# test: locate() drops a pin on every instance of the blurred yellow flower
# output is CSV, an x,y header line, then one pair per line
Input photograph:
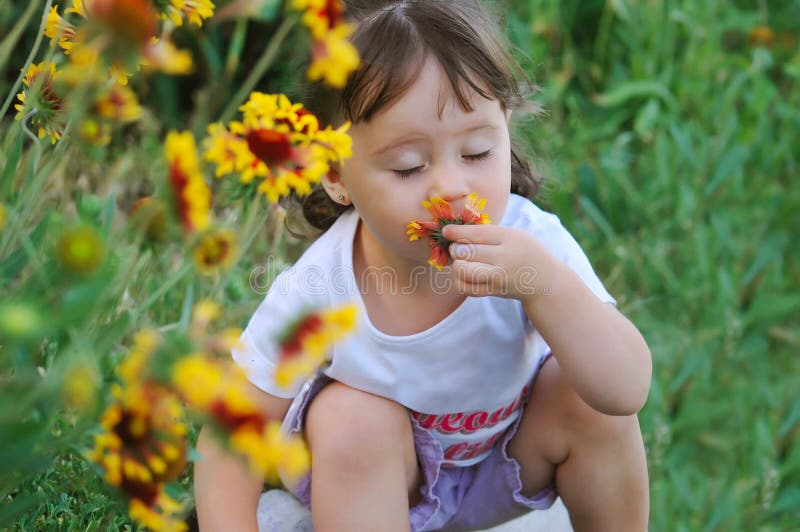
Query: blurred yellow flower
x,y
306,342
220,391
191,195
118,103
215,250
333,56
194,11
142,446
57,27
279,142
80,250
159,515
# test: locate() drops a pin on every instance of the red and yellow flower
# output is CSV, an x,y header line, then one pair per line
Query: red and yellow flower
x,y
190,193
442,215
215,250
333,56
278,142
40,100
221,393
306,342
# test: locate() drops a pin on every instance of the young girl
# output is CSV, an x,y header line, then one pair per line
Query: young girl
x,y
468,395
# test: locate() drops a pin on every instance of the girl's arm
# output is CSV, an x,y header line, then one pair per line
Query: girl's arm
x,y
226,491
602,354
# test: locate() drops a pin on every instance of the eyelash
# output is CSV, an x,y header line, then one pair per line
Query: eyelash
x,y
474,157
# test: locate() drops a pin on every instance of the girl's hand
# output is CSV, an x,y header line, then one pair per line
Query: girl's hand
x,y
493,260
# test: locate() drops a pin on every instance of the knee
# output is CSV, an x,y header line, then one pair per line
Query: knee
x,y
578,419
352,427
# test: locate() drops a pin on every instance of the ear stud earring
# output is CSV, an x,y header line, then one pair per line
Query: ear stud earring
x,y
341,197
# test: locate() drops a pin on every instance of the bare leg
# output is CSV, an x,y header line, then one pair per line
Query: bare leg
x,y
364,467
597,461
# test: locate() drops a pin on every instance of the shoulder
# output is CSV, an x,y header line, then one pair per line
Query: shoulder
x,y
522,213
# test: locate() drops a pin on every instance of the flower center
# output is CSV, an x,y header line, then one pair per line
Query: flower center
x,y
269,145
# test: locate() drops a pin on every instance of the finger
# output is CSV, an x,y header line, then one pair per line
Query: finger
x,y
478,275
480,234
485,253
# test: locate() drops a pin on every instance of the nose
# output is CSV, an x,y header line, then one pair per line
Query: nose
x,y
449,184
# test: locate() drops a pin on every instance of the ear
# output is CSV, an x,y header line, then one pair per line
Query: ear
x,y
333,185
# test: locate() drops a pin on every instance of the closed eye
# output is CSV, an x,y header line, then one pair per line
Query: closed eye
x,y
409,171
478,156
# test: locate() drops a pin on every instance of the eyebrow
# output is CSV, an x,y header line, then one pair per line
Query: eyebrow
x,y
416,136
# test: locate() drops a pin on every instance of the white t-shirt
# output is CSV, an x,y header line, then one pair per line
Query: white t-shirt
x,y
464,378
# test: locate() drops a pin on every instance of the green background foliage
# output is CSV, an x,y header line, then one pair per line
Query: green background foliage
x,y
670,142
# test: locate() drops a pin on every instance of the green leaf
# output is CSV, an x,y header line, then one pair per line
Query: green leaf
x,y
636,89
9,170
13,264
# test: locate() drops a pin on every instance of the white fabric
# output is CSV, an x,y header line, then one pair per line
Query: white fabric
x,y
463,378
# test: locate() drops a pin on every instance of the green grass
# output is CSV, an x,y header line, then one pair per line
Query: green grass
x,y
673,158
671,147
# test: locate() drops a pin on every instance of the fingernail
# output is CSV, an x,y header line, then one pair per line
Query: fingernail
x,y
459,251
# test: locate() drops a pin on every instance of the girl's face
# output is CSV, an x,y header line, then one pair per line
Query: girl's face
x,y
424,144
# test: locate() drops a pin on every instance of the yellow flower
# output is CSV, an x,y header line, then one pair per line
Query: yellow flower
x,y
40,97
278,142
81,250
142,446
194,11
320,16
159,515
191,195
305,343
163,56
57,27
119,103
334,58
215,250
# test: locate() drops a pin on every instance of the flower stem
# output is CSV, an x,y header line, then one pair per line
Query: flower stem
x,y
28,62
260,68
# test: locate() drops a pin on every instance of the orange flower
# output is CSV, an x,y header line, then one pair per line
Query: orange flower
x,y
442,215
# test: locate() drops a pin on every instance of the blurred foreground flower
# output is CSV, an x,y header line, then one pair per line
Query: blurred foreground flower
x,y
333,56
120,34
221,393
193,10
80,250
142,445
442,215
191,196
305,342
279,142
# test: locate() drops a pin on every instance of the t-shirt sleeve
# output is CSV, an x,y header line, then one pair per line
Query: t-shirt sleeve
x,y
548,228
258,351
